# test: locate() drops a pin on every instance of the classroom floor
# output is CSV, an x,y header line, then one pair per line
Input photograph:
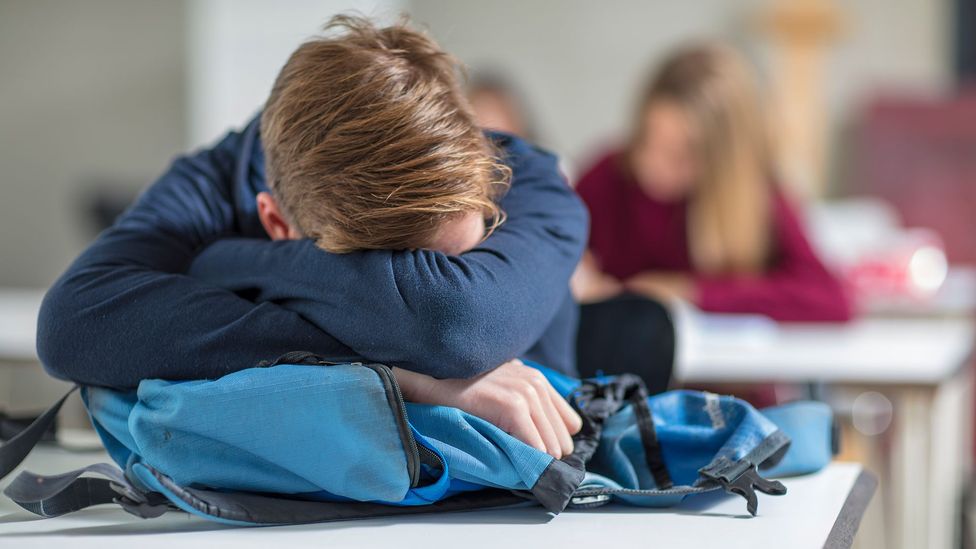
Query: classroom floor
x,y
803,518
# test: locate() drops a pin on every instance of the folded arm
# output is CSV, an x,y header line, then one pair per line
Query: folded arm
x,y
124,311
446,316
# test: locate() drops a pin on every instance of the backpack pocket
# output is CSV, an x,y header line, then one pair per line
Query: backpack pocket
x,y
323,431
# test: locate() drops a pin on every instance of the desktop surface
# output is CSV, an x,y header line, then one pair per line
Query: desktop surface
x,y
818,508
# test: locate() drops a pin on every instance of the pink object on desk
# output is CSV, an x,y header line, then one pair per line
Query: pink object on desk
x,y
912,268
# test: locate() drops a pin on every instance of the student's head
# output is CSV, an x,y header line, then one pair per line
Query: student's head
x,y
700,135
370,144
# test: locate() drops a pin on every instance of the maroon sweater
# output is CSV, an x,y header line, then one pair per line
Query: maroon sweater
x,y
631,233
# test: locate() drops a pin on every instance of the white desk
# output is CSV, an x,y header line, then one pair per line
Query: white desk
x,y
18,323
872,350
24,387
919,364
956,297
817,509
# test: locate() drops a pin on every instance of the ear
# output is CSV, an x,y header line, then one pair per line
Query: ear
x,y
273,219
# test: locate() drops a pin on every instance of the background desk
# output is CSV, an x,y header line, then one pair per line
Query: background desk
x,y
819,510
18,323
25,389
919,364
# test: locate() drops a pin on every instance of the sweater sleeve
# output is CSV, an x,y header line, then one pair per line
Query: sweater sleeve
x,y
446,316
798,287
123,311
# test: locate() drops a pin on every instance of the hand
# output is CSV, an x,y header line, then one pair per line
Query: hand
x,y
589,284
514,397
662,286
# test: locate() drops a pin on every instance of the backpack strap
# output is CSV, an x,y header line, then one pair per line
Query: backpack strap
x,y
596,401
56,495
16,449
741,477
653,456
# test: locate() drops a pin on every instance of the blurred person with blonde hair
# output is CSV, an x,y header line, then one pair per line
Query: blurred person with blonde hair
x,y
689,208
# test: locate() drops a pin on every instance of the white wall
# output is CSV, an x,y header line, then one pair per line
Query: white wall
x,y
236,48
578,62
91,94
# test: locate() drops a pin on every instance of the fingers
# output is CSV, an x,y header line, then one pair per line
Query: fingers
x,y
558,424
523,427
518,399
559,416
542,418
554,416
570,418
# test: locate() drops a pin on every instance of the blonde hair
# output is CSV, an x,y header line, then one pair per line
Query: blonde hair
x,y
370,142
729,211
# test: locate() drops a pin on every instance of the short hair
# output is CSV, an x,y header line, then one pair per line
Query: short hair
x,y
370,142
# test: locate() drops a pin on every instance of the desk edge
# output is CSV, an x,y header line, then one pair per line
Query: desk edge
x,y
849,518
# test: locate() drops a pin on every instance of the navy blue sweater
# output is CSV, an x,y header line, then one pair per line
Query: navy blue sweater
x,y
186,284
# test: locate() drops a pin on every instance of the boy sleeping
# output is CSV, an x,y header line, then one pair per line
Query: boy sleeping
x,y
383,204
429,180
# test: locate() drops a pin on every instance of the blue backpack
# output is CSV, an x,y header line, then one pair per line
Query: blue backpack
x,y
303,440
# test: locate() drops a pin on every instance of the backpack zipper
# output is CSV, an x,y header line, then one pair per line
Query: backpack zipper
x,y
400,411
417,454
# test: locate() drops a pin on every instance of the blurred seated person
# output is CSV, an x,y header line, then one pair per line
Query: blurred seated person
x,y
498,105
689,208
